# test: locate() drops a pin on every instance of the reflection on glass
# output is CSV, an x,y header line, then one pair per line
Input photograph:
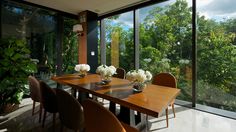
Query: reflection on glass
x,y
165,42
119,41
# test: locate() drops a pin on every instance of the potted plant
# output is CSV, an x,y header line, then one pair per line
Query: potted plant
x,y
15,66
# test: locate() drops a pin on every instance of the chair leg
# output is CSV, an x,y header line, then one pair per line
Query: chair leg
x,y
33,108
40,112
167,120
173,109
54,121
44,117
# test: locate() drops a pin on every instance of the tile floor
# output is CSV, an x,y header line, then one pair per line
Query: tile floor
x,y
187,120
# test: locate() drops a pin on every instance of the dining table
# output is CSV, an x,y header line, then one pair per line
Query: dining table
x,y
152,101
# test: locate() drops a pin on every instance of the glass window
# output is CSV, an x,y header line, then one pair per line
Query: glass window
x,y
166,42
119,41
37,27
216,49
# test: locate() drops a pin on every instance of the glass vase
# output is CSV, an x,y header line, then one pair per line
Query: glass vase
x,y
82,74
138,86
106,79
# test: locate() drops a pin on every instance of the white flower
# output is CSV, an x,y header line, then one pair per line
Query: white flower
x,y
82,68
100,69
139,76
106,71
148,75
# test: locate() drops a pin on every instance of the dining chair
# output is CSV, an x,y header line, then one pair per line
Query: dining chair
x,y
70,111
99,119
166,79
120,73
35,94
49,102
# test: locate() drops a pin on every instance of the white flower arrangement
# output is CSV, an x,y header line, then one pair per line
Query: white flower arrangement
x,y
106,71
82,68
139,76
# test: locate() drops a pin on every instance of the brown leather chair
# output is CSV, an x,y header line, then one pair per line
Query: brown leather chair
x,y
99,119
49,102
120,73
166,79
35,94
70,111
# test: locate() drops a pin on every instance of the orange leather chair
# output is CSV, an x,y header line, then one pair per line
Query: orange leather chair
x,y
166,79
99,119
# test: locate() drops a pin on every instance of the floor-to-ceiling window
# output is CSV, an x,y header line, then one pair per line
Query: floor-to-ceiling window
x,y
165,42
216,49
119,40
39,28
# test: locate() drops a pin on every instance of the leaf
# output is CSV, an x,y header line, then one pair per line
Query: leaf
x,y
9,52
30,68
16,56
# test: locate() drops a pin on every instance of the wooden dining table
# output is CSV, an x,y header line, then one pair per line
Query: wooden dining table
x,y
153,100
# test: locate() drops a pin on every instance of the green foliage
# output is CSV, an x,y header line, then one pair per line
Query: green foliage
x,y
15,65
165,45
70,46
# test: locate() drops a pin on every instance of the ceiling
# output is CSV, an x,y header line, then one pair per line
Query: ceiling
x,y
101,7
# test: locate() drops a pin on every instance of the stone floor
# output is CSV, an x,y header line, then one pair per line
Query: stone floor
x,y
187,120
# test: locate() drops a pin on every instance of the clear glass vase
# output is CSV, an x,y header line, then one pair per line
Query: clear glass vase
x,y
106,79
82,74
138,86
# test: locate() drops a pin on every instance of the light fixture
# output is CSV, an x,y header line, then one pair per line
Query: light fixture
x,y
78,29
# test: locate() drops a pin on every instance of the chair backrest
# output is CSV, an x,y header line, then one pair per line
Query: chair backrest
x,y
34,89
99,119
70,110
48,98
165,79
120,73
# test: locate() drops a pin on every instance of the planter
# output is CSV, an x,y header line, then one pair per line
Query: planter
x,y
10,107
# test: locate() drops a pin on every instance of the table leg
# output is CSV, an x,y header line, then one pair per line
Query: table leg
x,y
137,119
112,107
144,125
127,116
73,92
83,96
59,85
